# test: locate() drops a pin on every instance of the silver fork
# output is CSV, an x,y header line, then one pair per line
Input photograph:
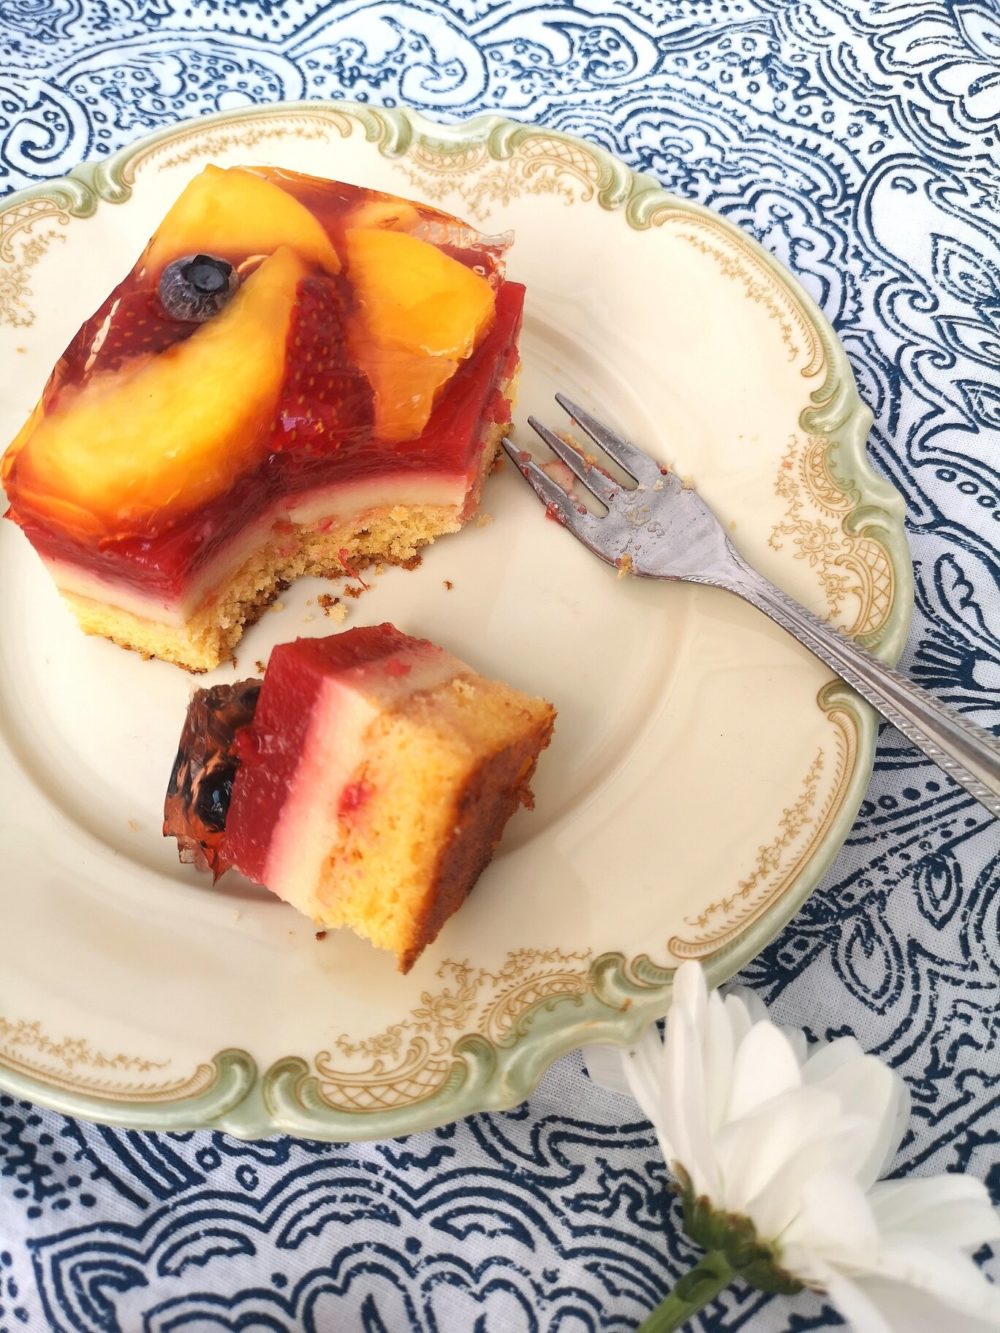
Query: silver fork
x,y
660,529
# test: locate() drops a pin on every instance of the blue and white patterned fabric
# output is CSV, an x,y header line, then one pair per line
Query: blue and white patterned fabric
x,y
859,142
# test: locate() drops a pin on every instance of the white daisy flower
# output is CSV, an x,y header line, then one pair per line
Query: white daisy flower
x,y
777,1149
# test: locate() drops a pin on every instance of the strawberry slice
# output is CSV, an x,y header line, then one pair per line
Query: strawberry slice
x,y
138,327
325,398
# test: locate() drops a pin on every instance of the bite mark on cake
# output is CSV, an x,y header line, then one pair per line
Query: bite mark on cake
x,y
373,358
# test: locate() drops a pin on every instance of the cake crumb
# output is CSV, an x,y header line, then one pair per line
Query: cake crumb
x,y
309,601
732,525
237,915
235,660
134,825
276,606
345,564
352,591
328,602
321,934
658,485
308,619
414,562
21,350
261,668
448,584
624,565
484,520
379,569
562,475
332,607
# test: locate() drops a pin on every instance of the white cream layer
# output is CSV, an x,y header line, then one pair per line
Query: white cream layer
x,y
333,504
332,752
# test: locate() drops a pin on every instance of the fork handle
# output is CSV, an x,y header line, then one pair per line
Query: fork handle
x,y
967,753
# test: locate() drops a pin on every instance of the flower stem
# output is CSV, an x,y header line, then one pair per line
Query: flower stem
x,y
693,1291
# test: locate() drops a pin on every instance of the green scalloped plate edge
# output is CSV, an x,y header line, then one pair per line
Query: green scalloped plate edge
x,y
624,995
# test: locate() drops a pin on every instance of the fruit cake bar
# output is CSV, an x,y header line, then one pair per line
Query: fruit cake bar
x,y
366,781
298,376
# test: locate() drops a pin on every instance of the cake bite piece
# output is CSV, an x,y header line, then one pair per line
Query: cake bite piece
x,y
297,376
370,787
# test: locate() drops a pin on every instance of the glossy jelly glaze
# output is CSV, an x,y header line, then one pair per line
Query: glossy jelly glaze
x,y
320,434
299,755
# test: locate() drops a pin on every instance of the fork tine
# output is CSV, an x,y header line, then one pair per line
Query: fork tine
x,y
592,477
626,455
555,499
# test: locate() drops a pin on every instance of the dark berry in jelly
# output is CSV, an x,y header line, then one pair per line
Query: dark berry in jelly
x,y
214,793
196,287
201,781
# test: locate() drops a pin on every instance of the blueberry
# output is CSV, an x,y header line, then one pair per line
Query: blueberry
x,y
214,794
196,287
246,700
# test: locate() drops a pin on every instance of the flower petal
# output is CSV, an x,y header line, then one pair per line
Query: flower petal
x,y
738,1012
690,993
765,1066
752,1005
864,1087
832,1055
752,1151
796,1038
836,1227
754,1010
954,1207
780,1202
946,1274
859,1309
643,1066
903,1309
685,1119
605,1067
719,1049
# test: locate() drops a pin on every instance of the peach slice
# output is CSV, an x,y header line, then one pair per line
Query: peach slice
x,y
414,296
420,313
234,213
386,214
173,430
404,388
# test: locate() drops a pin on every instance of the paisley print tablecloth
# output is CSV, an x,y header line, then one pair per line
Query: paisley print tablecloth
x,y
860,143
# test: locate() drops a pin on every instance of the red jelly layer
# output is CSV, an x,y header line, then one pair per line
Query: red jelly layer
x,y
271,747
164,562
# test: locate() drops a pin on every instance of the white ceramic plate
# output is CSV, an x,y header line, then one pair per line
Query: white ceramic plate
x,y
704,769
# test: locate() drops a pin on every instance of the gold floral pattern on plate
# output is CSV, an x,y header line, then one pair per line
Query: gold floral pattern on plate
x,y
23,242
854,567
738,261
802,826
538,164
72,1064
411,1060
